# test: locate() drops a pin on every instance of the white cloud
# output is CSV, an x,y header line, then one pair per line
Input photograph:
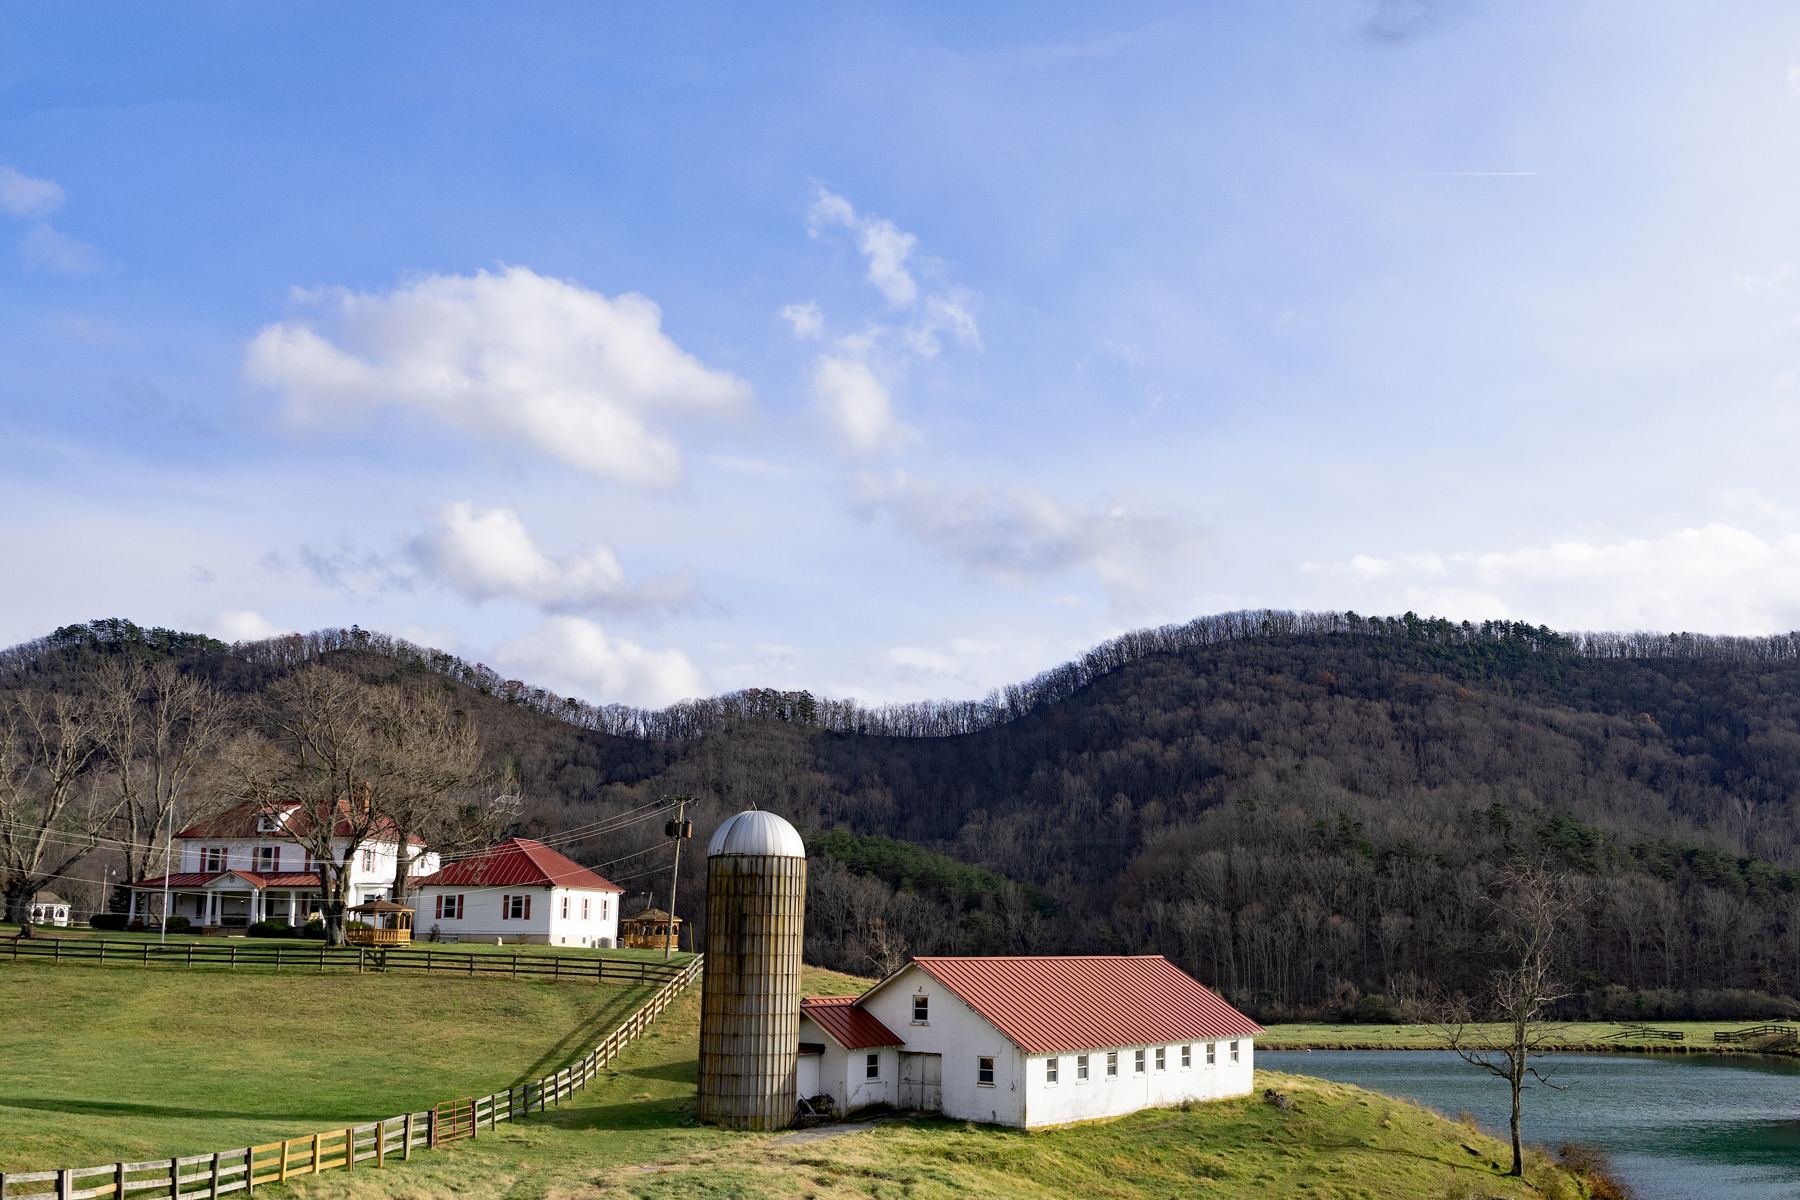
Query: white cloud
x,y
488,554
856,405
1715,579
245,625
23,196
882,243
1020,535
942,316
1774,281
574,656
44,246
807,320
538,362
922,660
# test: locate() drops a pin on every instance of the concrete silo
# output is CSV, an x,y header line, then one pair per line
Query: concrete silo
x,y
750,1005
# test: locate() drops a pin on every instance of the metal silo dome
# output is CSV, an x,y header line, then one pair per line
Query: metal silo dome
x,y
750,1001
757,832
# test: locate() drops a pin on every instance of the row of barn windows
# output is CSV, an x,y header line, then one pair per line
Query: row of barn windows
x,y
517,908
984,1066
267,859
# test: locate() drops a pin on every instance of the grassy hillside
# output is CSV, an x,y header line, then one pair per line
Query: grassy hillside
x,y
105,1063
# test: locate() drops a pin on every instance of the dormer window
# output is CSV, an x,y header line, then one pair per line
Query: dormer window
x,y
267,824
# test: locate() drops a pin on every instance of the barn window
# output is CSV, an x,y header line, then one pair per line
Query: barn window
x,y
565,908
1052,1070
921,1010
1112,1064
872,1066
1234,1056
1187,1057
1081,1068
605,909
584,907
1162,1059
1137,1065
1211,1049
984,1072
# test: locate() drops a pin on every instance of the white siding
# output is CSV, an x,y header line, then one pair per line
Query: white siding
x,y
843,1074
963,1037
1071,1100
481,919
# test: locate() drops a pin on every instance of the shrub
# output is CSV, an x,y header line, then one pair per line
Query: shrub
x,y
109,920
436,935
315,928
1375,1009
178,924
269,929
357,925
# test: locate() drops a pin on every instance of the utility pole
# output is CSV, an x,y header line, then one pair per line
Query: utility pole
x,y
168,852
680,829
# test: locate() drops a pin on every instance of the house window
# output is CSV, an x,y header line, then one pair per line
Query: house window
x,y
1187,1057
1162,1059
265,825
1112,1064
984,1072
584,907
1211,1047
515,908
1234,1056
872,1066
1137,1066
368,860
605,909
1081,1068
565,908
268,858
449,908
1052,1070
921,1010
212,858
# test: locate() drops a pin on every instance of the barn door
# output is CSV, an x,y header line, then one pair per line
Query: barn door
x,y
922,1081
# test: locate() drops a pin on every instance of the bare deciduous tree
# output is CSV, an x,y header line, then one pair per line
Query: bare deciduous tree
x,y
1533,909
158,729
47,823
435,790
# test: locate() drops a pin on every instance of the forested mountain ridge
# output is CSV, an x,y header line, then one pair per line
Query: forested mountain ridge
x,y
1303,807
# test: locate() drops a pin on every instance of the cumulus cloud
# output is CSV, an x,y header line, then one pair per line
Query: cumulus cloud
x,y
23,196
540,363
243,625
488,554
883,245
1020,535
857,406
575,656
807,320
1714,579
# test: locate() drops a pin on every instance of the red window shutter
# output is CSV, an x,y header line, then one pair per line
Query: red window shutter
x,y
528,908
505,907
440,908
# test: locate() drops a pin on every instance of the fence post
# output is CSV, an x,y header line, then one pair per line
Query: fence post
x,y
284,1160
381,1142
350,1149
431,1129
359,960
63,1184
174,1171
249,1170
315,1152
214,1194
406,1134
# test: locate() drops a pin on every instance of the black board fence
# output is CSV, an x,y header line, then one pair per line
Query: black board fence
x,y
229,954
247,1168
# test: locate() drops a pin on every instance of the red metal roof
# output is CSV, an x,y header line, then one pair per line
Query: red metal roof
x,y
518,862
194,879
240,820
1053,1004
851,1027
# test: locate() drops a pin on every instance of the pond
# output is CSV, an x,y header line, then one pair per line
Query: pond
x,y
1679,1126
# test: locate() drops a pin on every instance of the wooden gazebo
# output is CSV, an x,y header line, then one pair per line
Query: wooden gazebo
x,y
390,924
652,929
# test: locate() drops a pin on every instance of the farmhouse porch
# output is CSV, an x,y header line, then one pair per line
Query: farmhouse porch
x,y
231,899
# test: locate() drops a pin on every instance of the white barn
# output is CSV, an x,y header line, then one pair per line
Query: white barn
x,y
1028,1042
520,891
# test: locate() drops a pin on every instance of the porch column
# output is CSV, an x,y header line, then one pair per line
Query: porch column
x,y
212,905
293,907
131,915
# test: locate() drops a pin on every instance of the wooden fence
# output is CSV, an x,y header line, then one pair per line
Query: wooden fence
x,y
250,1167
1755,1031
319,957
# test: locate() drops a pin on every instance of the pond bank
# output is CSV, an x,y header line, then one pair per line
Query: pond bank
x,y
1583,1037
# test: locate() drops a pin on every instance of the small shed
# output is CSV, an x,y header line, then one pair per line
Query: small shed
x,y
48,908
389,924
652,929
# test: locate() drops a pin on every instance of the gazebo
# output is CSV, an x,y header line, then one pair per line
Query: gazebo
x,y
652,929
390,924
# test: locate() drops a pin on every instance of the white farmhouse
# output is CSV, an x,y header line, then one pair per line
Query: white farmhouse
x,y
520,891
243,866
1029,1042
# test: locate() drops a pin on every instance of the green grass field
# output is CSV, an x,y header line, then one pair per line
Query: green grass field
x,y
182,939
1585,1035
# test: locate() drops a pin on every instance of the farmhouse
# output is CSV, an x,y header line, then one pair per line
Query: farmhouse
x,y
243,866
1028,1042
520,891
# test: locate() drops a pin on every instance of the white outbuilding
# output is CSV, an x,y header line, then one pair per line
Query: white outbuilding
x,y
1028,1042
520,891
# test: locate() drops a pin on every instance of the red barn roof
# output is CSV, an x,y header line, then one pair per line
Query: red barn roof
x,y
1052,1004
240,821
518,862
851,1027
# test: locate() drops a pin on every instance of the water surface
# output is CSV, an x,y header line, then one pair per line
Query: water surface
x,y
1680,1126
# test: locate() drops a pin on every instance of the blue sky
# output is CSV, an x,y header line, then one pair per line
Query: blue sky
x,y
894,352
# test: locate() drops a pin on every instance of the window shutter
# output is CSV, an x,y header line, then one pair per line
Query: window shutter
x,y
528,908
505,907
439,914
